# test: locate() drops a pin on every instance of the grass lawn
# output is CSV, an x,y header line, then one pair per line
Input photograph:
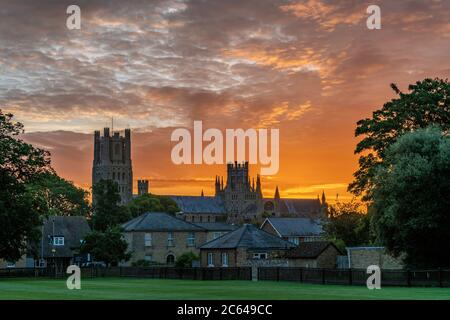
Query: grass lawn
x,y
132,288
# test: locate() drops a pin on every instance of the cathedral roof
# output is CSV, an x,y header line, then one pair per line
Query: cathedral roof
x,y
250,237
308,208
199,204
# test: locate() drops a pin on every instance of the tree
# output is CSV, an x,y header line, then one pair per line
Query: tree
x,y
152,203
347,225
20,210
109,246
427,103
62,197
186,259
107,212
411,201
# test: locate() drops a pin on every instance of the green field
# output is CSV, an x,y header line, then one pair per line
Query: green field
x,y
120,288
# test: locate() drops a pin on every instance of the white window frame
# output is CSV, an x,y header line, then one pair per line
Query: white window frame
x,y
191,239
10,264
170,239
58,241
224,259
148,240
260,255
210,259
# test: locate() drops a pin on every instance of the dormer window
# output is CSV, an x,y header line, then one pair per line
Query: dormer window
x,y
58,241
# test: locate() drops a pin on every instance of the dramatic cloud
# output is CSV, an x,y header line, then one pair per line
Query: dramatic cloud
x,y
310,67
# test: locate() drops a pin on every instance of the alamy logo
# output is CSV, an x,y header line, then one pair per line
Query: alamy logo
x,y
374,20
74,20
374,280
235,140
74,280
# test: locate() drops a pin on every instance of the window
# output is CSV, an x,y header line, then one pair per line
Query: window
x,y
294,240
148,258
148,239
58,241
10,264
224,259
170,259
210,259
260,256
170,239
191,239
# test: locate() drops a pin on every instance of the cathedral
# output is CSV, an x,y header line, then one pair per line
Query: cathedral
x,y
238,200
112,161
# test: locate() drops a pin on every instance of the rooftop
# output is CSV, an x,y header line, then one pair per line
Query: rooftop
x,y
248,236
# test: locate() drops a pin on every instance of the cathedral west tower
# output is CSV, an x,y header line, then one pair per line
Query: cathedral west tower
x,y
112,161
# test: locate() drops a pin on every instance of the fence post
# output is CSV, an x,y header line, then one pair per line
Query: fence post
x,y
323,275
440,276
350,276
408,275
278,273
301,275
220,274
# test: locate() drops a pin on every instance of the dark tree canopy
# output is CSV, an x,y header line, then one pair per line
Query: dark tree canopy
x,y
107,211
347,225
411,199
20,210
62,197
426,103
152,203
109,246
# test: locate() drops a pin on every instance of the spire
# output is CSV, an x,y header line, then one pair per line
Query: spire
x,y
203,193
324,200
258,186
277,194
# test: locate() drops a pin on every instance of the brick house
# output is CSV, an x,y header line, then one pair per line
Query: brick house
x,y
295,230
245,246
315,254
160,238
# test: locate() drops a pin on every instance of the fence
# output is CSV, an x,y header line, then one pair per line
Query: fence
x,y
438,277
409,278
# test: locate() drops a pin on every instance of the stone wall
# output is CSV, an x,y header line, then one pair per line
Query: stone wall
x,y
361,258
160,249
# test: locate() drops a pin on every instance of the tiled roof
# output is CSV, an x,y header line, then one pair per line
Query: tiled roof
x,y
73,229
248,236
194,204
216,226
159,221
309,250
290,227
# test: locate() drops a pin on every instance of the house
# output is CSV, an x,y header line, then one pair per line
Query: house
x,y
159,237
362,257
215,230
245,246
295,230
315,254
60,241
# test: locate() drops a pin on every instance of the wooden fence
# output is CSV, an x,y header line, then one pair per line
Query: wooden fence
x,y
436,277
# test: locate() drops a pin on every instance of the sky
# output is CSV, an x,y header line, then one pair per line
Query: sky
x,y
310,68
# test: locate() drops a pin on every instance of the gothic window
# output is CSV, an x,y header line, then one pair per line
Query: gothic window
x,y
170,259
